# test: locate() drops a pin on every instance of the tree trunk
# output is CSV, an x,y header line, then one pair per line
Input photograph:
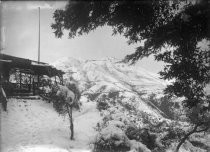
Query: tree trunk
x,y
71,122
3,97
185,137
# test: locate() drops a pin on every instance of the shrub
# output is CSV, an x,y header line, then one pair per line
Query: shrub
x,y
59,100
168,106
128,106
142,135
148,138
113,94
74,88
173,133
133,133
102,105
165,104
111,139
93,96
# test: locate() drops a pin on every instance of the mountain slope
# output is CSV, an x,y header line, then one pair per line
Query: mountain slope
x,y
102,77
110,71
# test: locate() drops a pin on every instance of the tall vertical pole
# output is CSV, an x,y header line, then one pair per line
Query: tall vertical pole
x,y
39,39
38,77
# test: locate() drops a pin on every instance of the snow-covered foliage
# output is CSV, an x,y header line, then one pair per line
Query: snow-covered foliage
x,y
62,98
66,94
61,95
119,115
111,138
154,132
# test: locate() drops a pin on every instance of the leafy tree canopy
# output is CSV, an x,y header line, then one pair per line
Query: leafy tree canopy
x,y
171,30
175,26
131,18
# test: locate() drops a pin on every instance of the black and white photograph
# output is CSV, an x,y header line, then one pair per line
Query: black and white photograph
x,y
105,76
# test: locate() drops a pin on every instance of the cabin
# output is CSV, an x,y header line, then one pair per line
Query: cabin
x,y
22,76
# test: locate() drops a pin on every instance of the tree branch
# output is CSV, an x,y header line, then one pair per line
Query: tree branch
x,y
205,129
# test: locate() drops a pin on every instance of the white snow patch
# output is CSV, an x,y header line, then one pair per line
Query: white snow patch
x,y
34,126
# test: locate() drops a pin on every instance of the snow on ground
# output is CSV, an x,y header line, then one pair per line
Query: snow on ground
x,y
34,126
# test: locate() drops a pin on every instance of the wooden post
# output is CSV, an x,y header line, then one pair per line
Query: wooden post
x,y
55,80
38,79
20,76
33,86
61,79
29,83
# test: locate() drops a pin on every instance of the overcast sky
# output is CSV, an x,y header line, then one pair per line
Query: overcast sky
x,y
19,36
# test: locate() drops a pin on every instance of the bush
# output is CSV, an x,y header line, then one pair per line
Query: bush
x,y
133,133
74,88
113,94
111,139
173,133
93,96
168,106
59,100
102,105
142,135
165,104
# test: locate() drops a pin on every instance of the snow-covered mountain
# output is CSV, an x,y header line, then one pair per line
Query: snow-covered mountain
x,y
109,74
101,77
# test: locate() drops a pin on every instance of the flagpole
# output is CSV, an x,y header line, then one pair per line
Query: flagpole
x,y
38,50
39,39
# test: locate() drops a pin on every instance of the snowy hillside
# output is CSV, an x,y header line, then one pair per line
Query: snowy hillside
x,y
99,77
110,74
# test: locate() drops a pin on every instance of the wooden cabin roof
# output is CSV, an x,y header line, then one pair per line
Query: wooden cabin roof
x,y
8,62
